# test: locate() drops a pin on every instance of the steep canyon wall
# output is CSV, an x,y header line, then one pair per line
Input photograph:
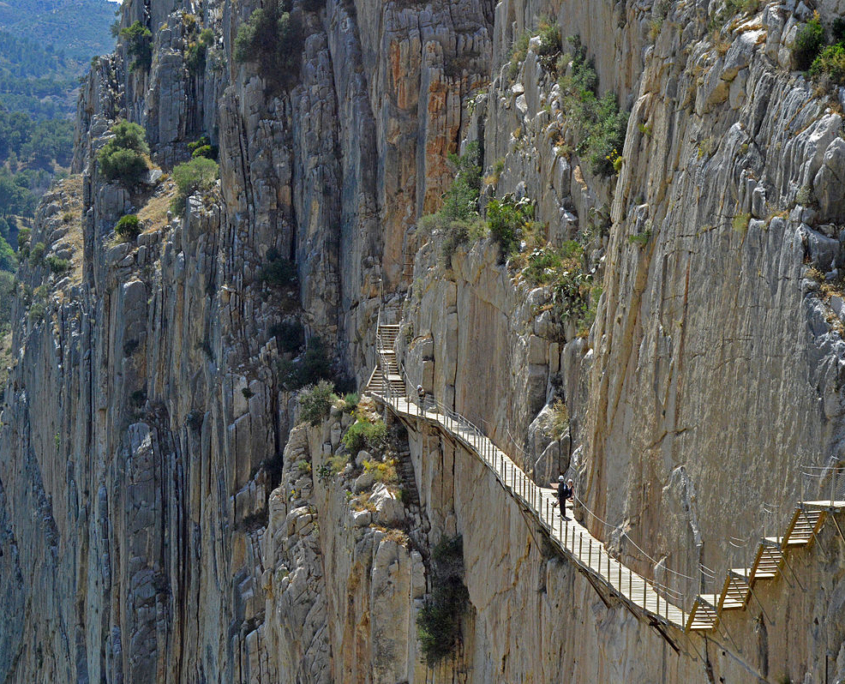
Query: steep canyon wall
x,y
164,518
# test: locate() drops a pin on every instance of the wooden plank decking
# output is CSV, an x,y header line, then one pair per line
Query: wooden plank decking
x,y
571,538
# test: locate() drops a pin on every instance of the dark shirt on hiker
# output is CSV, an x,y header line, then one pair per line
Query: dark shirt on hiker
x,y
564,493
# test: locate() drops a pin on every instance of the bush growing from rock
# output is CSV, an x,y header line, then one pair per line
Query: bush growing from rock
x,y
364,434
439,621
139,45
203,148
278,271
506,218
830,63
600,125
194,176
130,136
24,235
350,402
808,42
315,402
460,203
123,165
122,158
197,50
309,369
382,471
458,218
550,38
36,254
36,312
128,228
58,265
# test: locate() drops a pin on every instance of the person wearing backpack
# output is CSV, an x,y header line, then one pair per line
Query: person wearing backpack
x,y
565,492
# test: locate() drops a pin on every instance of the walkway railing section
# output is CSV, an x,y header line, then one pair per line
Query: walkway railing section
x,y
699,605
587,552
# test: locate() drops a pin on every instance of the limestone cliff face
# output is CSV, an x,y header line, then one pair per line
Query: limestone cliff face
x,y
162,517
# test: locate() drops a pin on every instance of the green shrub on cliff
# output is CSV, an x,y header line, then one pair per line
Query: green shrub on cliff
x,y
458,219
508,218
273,39
311,367
196,50
364,434
139,45
808,42
123,157
36,255
278,271
57,265
600,126
830,63
197,175
128,228
316,401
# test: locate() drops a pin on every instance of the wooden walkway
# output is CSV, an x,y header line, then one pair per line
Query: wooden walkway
x,y
645,598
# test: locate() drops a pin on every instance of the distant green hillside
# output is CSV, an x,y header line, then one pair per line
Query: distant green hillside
x,y
45,46
39,81
79,28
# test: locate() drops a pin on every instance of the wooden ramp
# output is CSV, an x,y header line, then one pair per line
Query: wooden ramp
x,y
645,598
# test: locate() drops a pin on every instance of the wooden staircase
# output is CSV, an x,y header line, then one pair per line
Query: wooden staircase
x,y
769,562
387,378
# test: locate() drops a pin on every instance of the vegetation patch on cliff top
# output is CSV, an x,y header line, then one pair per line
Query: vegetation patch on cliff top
x,y
808,42
273,39
315,402
139,46
365,434
828,62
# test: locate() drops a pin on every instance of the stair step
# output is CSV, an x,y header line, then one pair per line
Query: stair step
x,y
764,575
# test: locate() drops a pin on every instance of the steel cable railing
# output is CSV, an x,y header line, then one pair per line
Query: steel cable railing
x,y
823,484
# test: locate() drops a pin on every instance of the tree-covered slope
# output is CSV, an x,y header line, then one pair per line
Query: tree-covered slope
x,y
36,79
80,28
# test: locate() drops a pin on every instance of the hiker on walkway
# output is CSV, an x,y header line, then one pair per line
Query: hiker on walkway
x,y
421,395
565,492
